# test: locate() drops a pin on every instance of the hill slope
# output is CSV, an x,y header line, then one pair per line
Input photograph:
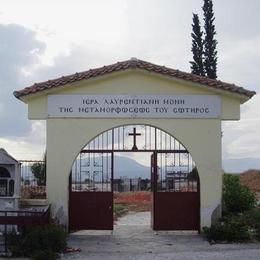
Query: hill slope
x,y
251,179
127,167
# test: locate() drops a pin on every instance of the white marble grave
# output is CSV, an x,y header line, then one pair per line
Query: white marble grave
x,y
10,181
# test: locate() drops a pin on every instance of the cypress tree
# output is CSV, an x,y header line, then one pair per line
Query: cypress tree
x,y
210,43
197,66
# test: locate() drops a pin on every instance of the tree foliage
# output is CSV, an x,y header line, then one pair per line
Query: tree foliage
x,y
241,216
197,66
210,43
39,172
193,175
236,197
204,44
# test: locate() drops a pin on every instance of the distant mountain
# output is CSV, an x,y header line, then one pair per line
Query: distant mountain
x,y
125,166
128,167
240,165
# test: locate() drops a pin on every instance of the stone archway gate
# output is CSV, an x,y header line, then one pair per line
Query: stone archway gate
x,y
174,180
195,121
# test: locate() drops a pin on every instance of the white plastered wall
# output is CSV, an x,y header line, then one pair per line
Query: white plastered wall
x,y
67,136
201,137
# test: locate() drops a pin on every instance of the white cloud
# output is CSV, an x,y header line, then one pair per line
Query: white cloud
x,y
241,139
62,24
18,49
239,62
28,147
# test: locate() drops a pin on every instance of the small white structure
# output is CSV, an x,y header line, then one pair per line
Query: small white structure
x,y
10,181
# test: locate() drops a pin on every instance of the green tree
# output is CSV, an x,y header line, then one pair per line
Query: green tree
x,y
236,197
193,175
241,217
39,171
210,43
197,66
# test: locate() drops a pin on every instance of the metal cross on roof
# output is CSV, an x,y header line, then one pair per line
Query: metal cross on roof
x,y
134,134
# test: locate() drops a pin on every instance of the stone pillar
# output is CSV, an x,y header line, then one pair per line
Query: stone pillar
x,y
17,181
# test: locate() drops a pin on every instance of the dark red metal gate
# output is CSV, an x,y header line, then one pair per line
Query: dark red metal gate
x,y
174,180
176,196
91,192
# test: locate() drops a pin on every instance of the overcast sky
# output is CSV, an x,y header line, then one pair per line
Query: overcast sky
x,y
40,40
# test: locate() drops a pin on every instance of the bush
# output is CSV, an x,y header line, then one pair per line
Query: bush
x,y
257,232
38,170
253,220
44,255
232,229
15,244
241,218
253,217
236,197
38,242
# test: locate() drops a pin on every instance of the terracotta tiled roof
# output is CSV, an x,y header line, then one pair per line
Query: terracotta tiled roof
x,y
132,64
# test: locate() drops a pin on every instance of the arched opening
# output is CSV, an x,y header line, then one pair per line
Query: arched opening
x,y
173,180
6,183
4,173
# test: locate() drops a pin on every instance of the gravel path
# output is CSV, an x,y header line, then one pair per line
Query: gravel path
x,y
133,238
135,219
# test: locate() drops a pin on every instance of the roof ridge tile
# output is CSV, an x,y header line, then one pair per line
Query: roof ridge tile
x,y
133,63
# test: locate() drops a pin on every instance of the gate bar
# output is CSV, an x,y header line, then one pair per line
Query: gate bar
x,y
127,151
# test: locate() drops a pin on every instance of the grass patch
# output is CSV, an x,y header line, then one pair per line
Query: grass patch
x,y
120,210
